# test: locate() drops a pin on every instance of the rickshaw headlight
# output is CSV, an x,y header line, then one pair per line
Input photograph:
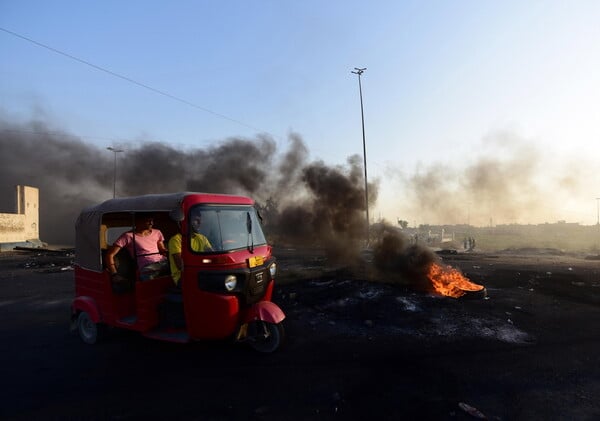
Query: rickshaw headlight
x,y
230,282
273,270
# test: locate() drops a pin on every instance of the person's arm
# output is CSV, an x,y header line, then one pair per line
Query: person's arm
x,y
207,246
160,243
177,260
110,259
161,248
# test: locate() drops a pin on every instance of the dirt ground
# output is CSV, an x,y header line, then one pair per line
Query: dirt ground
x,y
355,348
528,349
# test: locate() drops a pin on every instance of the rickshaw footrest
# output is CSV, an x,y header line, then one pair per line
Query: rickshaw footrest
x,y
169,334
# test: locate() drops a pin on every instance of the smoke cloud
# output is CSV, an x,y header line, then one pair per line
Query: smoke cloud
x,y
303,202
506,180
399,260
330,209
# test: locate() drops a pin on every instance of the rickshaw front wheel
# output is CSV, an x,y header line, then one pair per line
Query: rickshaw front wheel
x,y
88,330
264,336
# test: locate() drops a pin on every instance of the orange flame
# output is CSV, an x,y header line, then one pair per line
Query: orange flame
x,y
450,282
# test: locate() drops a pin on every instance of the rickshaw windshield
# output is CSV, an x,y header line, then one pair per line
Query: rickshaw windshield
x,y
224,228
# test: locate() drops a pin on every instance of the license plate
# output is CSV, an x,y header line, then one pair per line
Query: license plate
x,y
255,261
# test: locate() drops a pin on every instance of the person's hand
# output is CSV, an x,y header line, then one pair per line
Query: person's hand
x,y
116,278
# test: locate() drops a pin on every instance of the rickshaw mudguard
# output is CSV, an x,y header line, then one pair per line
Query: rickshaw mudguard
x,y
87,304
266,311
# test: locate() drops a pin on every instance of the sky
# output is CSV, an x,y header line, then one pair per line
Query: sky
x,y
479,112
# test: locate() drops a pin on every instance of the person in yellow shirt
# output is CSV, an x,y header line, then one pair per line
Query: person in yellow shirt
x,y
198,242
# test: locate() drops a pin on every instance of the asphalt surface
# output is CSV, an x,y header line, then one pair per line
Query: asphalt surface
x,y
354,349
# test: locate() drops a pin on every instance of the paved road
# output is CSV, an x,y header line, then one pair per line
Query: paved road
x,y
518,355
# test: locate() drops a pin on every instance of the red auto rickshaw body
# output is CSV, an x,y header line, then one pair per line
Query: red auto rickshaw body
x,y
223,292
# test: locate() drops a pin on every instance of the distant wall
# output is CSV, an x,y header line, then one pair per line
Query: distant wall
x,y
23,225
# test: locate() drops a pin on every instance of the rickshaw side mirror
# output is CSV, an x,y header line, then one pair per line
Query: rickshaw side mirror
x,y
177,215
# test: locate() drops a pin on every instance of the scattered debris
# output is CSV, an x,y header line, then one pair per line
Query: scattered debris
x,y
474,412
57,269
370,293
47,260
447,252
408,305
578,283
46,250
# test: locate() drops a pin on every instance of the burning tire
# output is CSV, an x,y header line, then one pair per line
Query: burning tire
x,y
475,295
449,281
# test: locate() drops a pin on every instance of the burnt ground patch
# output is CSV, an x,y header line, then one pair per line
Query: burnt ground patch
x,y
529,345
356,348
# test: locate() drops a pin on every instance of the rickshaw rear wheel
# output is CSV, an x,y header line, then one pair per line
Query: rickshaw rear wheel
x,y
264,336
88,330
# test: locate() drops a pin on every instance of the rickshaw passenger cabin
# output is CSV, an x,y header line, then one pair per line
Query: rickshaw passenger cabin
x,y
225,291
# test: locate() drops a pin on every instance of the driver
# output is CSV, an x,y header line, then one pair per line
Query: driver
x,y
145,241
198,242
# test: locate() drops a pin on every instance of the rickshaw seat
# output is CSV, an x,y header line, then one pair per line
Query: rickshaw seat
x,y
125,264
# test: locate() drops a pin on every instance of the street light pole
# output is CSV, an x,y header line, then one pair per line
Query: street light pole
x,y
115,151
597,221
359,72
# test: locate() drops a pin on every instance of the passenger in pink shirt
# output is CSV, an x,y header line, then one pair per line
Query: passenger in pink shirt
x,y
145,242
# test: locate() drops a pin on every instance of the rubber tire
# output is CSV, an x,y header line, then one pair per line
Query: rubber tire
x,y
88,330
270,343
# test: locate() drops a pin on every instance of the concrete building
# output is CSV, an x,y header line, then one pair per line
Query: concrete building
x,y
22,227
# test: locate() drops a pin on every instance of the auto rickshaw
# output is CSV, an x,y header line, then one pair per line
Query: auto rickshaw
x,y
223,293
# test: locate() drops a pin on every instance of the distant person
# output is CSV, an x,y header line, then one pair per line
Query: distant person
x,y
198,242
144,242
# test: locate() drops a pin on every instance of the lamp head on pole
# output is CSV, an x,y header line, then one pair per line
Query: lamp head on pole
x,y
115,151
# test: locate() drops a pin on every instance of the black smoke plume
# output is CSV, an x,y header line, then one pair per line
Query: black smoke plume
x,y
330,211
304,202
399,260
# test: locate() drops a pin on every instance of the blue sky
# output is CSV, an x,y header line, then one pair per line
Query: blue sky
x,y
448,84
